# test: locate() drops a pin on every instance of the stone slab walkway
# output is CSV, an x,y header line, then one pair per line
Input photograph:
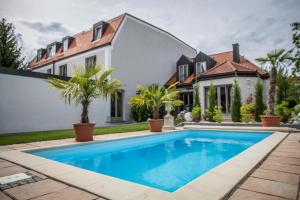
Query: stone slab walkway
x,y
278,177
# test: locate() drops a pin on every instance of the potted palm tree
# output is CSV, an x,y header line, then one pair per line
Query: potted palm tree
x,y
153,97
275,60
83,87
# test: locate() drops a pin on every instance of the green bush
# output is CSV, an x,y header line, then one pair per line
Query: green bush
x,y
283,110
196,113
259,106
218,114
211,102
296,109
142,114
247,112
236,103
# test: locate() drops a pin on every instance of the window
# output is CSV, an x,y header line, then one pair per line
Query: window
x,y
52,50
65,45
223,97
39,55
200,67
98,32
116,106
49,71
90,63
63,70
183,72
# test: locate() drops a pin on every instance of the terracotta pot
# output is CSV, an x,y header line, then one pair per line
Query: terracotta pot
x,y
84,131
270,121
156,125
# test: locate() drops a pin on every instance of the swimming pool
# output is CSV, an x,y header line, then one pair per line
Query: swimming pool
x,y
165,161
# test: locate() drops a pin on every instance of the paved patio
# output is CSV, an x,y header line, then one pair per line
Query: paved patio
x,y
276,178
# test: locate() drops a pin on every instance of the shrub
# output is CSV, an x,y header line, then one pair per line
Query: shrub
x,y
259,106
218,115
283,110
297,109
196,113
140,114
211,102
236,103
247,112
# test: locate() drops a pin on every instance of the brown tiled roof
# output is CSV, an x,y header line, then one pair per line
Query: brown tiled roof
x,y
82,42
172,80
225,65
189,79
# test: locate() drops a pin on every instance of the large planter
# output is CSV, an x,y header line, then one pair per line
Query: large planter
x,y
270,121
156,125
84,131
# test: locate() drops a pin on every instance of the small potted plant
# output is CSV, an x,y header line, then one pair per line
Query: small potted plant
x,y
154,97
83,87
275,60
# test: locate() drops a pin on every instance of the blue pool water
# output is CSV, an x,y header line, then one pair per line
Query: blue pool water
x,y
165,161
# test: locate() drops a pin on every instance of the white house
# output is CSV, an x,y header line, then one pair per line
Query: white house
x,y
221,70
140,53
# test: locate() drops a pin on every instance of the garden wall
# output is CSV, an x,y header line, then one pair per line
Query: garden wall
x,y
28,104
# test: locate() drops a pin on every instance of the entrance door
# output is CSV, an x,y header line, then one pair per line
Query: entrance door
x,y
116,107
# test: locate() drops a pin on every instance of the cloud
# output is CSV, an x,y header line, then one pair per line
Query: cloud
x,y
54,27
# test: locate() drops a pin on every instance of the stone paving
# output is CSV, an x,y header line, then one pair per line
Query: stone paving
x,y
276,178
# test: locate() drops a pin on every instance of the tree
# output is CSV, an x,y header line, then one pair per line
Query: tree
x,y
85,86
259,106
296,41
282,86
10,52
211,102
236,103
196,96
154,96
277,59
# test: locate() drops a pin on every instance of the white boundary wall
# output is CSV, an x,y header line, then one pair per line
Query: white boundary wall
x,y
28,104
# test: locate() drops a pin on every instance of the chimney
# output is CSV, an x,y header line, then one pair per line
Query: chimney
x,y
235,53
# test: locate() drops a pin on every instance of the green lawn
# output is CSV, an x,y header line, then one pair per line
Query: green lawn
x,y
55,135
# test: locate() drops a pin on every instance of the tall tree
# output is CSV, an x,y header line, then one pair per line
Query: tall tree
x,y
259,106
277,59
10,52
196,95
296,42
236,103
211,102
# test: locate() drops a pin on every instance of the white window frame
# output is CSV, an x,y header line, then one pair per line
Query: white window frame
x,y
63,70
98,34
185,70
52,50
65,45
202,66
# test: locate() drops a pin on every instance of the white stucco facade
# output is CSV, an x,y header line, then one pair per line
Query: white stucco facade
x,y
247,85
144,55
140,53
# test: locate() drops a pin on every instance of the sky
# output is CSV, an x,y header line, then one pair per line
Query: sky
x,y
210,26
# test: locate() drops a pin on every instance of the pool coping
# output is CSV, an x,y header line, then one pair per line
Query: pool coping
x,y
214,184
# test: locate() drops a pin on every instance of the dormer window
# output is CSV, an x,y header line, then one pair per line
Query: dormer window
x,y
183,72
51,50
39,54
200,67
98,30
65,45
